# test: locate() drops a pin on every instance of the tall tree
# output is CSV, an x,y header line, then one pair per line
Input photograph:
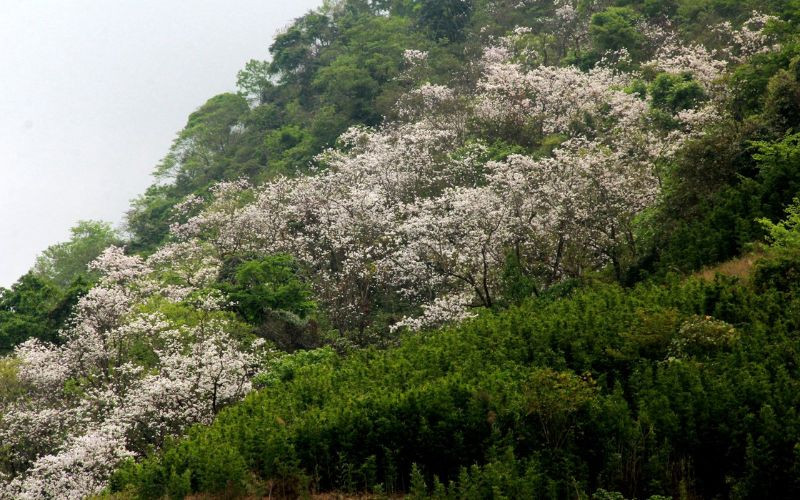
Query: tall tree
x,y
64,262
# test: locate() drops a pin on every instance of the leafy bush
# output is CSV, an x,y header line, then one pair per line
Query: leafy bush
x,y
538,400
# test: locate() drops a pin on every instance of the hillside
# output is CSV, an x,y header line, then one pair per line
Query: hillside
x,y
649,391
457,249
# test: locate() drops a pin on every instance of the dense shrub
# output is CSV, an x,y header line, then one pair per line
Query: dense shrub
x,y
654,391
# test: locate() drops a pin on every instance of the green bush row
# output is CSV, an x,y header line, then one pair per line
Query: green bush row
x,y
689,387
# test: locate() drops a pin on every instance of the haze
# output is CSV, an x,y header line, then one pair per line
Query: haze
x,y
92,93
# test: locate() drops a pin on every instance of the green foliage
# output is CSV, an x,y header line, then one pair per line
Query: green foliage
x,y
538,401
782,101
417,489
749,81
269,294
64,262
517,284
781,269
254,81
35,307
149,217
293,51
285,368
658,8
10,386
445,19
700,335
555,399
210,131
675,93
785,235
287,147
271,284
744,169
779,173
615,29
350,87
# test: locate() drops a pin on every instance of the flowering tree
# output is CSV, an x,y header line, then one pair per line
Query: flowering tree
x,y
148,353
415,211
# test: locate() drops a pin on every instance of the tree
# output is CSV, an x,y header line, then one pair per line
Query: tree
x,y
209,133
615,29
148,219
782,102
349,87
255,81
64,262
270,295
288,149
445,19
294,51
149,352
777,173
675,93
270,286
25,311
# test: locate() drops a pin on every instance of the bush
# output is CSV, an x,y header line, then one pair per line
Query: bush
x,y
542,400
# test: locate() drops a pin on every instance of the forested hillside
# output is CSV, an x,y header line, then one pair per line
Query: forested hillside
x,y
448,249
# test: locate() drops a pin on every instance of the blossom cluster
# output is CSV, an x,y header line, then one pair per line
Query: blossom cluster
x,y
752,37
413,209
126,375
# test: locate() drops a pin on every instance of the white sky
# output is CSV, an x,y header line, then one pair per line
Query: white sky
x,y
92,93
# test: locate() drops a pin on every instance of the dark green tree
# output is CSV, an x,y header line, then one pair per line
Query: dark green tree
x,y
445,19
615,29
25,311
674,93
269,294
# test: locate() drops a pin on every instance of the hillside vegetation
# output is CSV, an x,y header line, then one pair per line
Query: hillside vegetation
x,y
648,391
448,249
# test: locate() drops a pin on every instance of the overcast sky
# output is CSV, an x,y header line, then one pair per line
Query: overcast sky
x,y
92,93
